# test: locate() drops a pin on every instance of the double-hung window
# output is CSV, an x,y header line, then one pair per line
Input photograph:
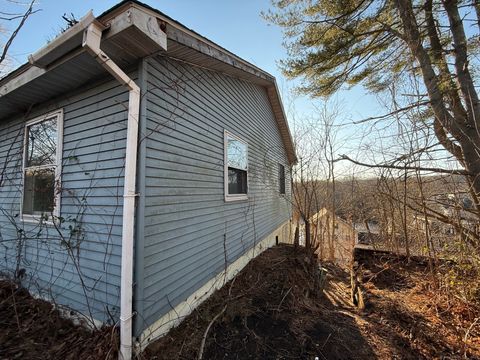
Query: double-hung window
x,y
42,166
236,168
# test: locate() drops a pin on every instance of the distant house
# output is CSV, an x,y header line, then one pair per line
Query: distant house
x,y
336,237
142,166
456,209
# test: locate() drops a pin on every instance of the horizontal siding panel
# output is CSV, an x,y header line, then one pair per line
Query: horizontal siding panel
x,y
102,185
183,198
155,190
187,168
172,153
176,240
187,221
92,198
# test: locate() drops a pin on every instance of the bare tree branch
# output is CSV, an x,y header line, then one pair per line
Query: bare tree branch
x,y
398,167
14,34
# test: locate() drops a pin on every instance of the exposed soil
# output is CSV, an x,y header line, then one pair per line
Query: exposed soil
x,y
407,318
34,329
273,310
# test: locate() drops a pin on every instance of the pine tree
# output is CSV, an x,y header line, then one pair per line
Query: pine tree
x,y
333,43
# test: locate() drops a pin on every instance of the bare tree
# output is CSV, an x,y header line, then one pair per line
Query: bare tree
x,y
17,20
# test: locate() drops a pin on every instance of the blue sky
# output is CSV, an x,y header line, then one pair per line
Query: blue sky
x,y
234,25
237,26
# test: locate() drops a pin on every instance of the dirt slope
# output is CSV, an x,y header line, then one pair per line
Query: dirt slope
x,y
273,310
33,329
406,319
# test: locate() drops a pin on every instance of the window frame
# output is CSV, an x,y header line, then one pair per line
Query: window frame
x,y
58,114
280,187
232,197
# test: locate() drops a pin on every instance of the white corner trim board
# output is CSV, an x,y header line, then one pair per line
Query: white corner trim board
x,y
92,31
176,315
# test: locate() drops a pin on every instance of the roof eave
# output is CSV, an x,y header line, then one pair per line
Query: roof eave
x,y
67,42
279,113
62,44
112,12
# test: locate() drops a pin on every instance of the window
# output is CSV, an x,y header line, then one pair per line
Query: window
x,y
41,166
281,179
236,168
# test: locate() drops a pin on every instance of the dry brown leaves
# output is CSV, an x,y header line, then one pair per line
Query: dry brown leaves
x,y
33,329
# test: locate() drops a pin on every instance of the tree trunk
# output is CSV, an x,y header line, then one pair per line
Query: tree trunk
x,y
308,244
296,237
463,124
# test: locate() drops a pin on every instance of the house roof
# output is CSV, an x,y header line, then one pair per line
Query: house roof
x,y
63,64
